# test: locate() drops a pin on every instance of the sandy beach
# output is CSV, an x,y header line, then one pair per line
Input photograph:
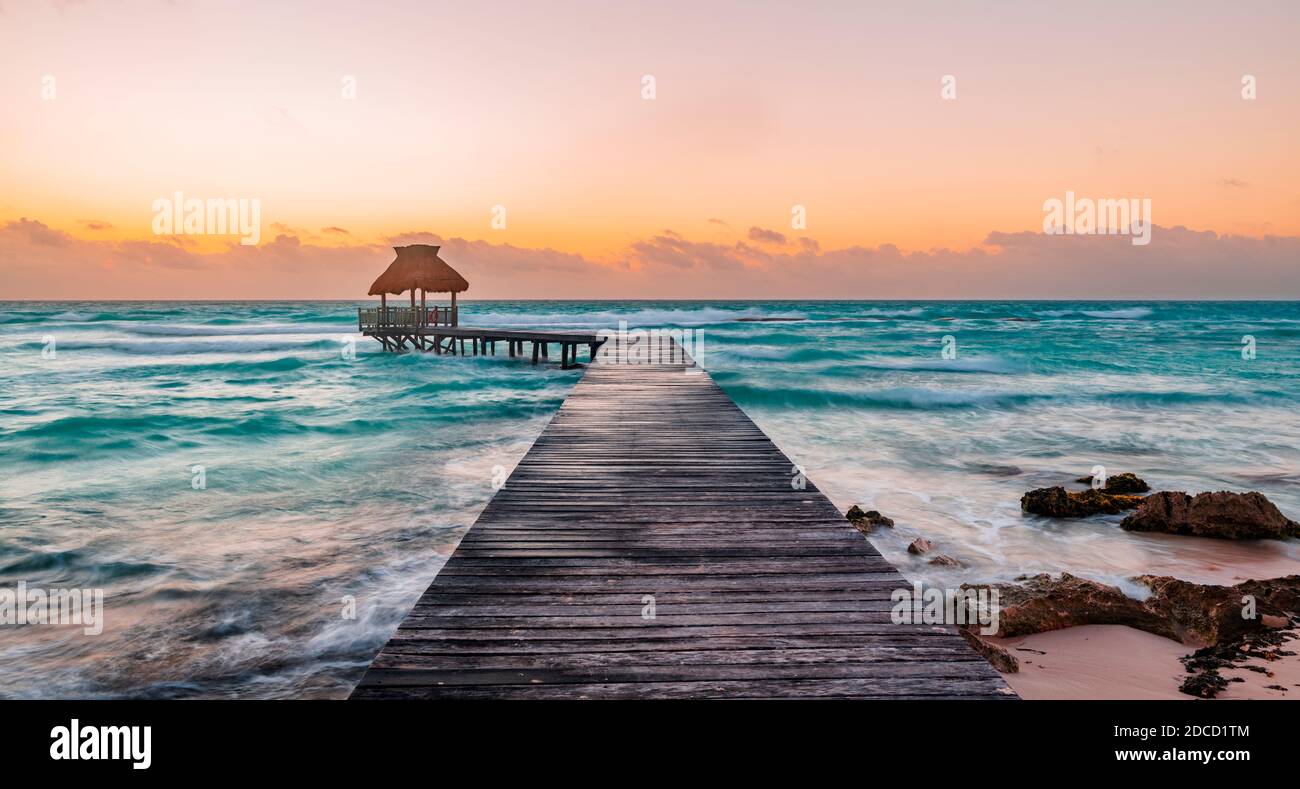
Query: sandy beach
x,y
1118,662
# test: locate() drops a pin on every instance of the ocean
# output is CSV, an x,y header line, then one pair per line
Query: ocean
x,y
261,507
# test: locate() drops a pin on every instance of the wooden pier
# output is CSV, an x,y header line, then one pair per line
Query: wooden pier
x,y
399,329
654,543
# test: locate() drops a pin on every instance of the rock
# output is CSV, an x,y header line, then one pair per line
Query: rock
x,y
946,561
866,522
997,656
919,546
1041,603
1120,483
1195,614
1231,516
1206,614
1281,593
1202,614
1058,502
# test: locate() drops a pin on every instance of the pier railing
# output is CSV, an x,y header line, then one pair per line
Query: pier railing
x,y
373,318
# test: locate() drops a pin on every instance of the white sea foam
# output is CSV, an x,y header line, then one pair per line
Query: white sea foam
x,y
173,347
610,318
250,329
1127,313
969,364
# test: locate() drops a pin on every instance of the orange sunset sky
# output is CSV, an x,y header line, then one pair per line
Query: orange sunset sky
x,y
757,107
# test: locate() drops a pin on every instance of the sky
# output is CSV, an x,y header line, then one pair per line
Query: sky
x,y
650,149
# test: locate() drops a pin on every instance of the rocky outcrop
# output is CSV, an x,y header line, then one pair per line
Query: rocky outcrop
x,y
867,522
919,546
945,561
997,656
1120,483
1281,593
1195,614
1232,516
1039,603
1228,623
1058,502
1205,614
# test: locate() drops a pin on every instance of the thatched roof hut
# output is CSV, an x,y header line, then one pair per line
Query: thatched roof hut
x,y
418,267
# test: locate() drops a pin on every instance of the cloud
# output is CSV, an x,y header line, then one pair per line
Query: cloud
x,y
94,224
335,230
1233,183
672,251
40,262
37,233
763,236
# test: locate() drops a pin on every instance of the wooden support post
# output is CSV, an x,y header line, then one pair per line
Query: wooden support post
x,y
564,356
535,344
546,350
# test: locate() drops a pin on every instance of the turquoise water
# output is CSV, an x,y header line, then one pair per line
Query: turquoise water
x,y
328,478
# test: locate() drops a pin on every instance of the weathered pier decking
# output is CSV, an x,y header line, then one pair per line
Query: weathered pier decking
x,y
651,545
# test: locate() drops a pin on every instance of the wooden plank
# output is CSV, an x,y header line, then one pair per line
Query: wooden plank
x,y
650,484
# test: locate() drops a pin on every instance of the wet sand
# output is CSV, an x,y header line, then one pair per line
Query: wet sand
x,y
1118,662
1096,662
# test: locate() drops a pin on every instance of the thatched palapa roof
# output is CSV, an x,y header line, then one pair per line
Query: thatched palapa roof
x,y
418,266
